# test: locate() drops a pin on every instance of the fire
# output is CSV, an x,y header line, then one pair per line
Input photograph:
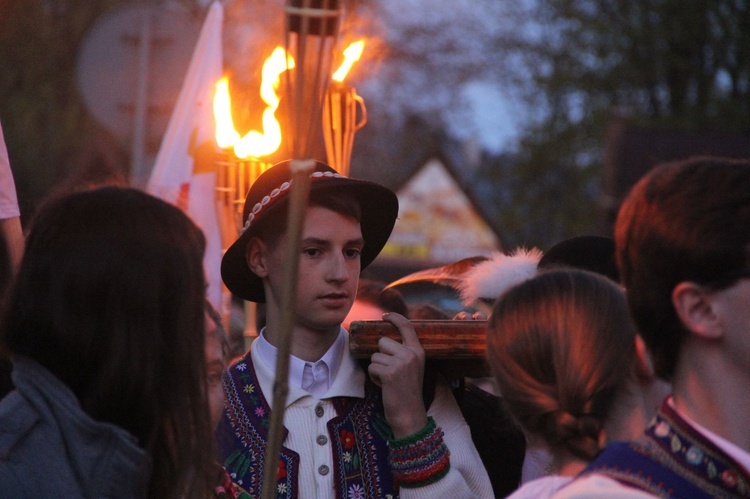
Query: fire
x,y
352,53
226,135
254,144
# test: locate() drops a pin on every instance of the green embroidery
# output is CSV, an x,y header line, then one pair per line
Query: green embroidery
x,y
711,470
676,444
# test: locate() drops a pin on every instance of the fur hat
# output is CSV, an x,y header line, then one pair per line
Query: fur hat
x,y
379,206
489,279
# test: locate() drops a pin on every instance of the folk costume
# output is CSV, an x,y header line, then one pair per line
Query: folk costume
x,y
337,442
676,459
345,439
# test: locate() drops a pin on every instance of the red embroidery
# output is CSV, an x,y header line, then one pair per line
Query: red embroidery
x,y
347,439
282,470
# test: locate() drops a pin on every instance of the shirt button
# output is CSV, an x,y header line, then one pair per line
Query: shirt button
x,y
322,440
323,469
319,411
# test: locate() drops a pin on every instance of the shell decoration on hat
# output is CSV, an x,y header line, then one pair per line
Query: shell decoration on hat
x,y
275,193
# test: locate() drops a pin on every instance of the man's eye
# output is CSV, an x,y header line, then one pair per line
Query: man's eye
x,y
352,252
311,251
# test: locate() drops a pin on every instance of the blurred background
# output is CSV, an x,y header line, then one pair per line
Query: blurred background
x,y
543,112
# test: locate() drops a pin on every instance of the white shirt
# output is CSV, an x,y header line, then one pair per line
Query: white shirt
x,y
314,377
541,488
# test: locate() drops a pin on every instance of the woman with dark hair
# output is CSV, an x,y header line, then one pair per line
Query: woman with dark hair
x,y
105,326
571,368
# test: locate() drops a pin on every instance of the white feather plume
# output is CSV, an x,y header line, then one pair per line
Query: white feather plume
x,y
493,277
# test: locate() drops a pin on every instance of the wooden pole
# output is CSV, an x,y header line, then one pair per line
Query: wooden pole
x,y
309,24
299,195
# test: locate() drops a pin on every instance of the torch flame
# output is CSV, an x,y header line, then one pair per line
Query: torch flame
x,y
352,53
254,144
226,135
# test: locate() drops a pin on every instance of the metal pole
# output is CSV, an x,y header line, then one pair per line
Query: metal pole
x,y
138,173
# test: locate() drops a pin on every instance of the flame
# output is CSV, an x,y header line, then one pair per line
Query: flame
x,y
254,144
226,135
352,53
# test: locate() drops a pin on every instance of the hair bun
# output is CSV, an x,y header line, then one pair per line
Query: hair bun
x,y
578,434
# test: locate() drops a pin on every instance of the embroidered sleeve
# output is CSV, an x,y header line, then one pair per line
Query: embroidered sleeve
x,y
419,459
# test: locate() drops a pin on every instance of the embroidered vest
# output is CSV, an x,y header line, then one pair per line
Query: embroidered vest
x,y
358,435
674,461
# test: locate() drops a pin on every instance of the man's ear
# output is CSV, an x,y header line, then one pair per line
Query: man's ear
x,y
695,307
255,255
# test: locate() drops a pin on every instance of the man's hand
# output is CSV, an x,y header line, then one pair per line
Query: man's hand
x,y
398,369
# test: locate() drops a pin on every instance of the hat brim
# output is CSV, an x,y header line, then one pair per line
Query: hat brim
x,y
379,207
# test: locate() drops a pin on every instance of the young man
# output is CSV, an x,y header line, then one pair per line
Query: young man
x,y
349,435
683,250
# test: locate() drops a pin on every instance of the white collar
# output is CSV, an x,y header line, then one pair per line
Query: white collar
x,y
346,376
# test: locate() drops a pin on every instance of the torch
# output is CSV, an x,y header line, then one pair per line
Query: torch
x,y
241,158
340,108
311,30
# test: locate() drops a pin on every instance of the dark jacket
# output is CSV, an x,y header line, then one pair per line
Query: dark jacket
x,y
50,448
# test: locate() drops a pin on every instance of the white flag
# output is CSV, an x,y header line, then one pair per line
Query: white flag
x,y
184,172
8,199
10,215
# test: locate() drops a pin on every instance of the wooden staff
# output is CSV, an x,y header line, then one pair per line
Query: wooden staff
x,y
310,24
299,194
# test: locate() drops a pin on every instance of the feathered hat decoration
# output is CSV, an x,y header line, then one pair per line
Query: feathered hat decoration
x,y
448,275
487,280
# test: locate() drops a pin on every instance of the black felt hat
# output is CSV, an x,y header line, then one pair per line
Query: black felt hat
x,y
592,253
379,206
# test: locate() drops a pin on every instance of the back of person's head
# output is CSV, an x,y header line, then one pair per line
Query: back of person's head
x,y
428,311
560,346
109,298
376,293
592,253
373,300
684,221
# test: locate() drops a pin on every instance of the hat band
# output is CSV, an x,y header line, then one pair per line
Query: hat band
x,y
276,193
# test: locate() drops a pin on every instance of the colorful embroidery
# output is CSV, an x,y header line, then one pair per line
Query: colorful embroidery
x,y
358,435
361,450
242,432
420,459
675,461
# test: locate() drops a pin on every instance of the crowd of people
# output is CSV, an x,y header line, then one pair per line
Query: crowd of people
x,y
617,368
